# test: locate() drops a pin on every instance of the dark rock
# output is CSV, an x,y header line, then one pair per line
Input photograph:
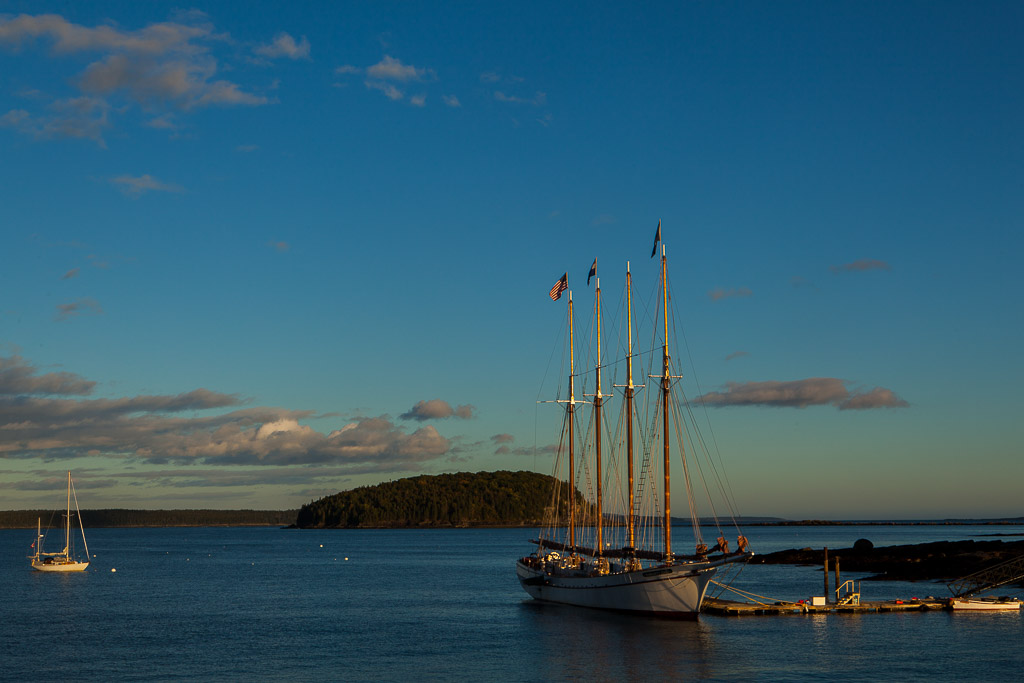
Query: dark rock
x,y
863,545
943,560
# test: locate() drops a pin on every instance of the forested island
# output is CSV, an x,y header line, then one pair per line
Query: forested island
x,y
443,500
24,519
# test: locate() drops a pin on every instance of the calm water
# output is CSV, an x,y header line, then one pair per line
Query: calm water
x,y
273,605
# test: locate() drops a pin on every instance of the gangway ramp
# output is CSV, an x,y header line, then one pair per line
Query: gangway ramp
x,y
988,578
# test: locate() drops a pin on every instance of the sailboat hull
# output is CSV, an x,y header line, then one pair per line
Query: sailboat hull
x,y
71,566
669,591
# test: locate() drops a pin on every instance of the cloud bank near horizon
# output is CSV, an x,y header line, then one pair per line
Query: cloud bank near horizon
x,y
49,416
802,393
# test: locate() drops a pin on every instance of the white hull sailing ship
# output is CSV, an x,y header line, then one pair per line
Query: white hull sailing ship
x,y
576,563
64,561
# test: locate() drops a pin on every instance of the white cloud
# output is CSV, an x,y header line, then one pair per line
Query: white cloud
x,y
164,428
68,37
802,393
719,293
137,185
85,306
539,99
861,265
164,63
392,69
14,118
285,46
283,427
163,122
18,378
78,117
390,73
389,90
436,409
226,93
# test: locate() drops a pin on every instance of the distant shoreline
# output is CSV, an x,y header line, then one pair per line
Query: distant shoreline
x,y
120,518
926,522
142,519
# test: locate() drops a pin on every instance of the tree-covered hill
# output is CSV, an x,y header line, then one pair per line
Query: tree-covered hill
x,y
443,500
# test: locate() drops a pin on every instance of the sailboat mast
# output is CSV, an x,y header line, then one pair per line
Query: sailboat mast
x,y
665,380
629,407
67,520
570,409
81,525
597,425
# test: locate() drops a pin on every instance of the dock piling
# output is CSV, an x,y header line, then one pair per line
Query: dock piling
x,y
826,593
838,582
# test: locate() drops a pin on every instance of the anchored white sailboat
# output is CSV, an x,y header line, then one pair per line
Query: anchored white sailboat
x,y
641,573
65,560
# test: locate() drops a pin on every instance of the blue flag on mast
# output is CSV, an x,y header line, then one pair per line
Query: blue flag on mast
x,y
592,273
657,238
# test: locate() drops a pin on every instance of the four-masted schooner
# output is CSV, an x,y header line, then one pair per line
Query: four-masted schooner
x,y
647,576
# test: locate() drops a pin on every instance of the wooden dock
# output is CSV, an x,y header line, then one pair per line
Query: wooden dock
x,y
737,609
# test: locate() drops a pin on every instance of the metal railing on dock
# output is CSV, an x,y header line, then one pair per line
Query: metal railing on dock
x,y
852,596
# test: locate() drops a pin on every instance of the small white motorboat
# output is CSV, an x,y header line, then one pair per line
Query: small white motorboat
x,y
985,604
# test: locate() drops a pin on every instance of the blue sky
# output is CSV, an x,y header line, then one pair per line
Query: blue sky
x,y
255,253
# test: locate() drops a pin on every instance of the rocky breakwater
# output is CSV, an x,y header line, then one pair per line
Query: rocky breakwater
x,y
939,561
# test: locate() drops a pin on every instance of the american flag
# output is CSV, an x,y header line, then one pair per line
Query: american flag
x,y
560,286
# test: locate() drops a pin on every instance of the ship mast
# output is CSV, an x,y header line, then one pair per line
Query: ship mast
x,y
630,541
598,400
570,410
666,378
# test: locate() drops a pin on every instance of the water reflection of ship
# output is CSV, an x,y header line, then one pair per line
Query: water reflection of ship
x,y
619,646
